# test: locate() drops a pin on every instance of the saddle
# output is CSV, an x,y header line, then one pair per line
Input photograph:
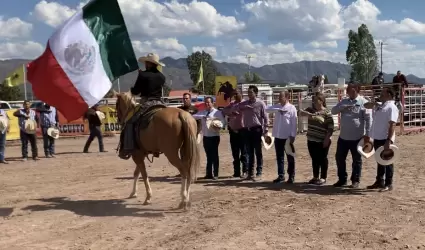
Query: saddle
x,y
139,121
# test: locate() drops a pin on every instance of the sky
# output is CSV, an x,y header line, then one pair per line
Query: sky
x,y
270,31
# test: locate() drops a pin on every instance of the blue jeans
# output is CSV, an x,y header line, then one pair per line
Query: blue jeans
x,y
238,152
211,144
383,172
342,149
2,145
32,139
252,138
95,132
279,146
48,142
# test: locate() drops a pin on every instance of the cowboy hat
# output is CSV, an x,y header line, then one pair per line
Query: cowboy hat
x,y
268,140
53,132
151,57
30,126
4,123
387,157
100,115
365,149
214,121
289,148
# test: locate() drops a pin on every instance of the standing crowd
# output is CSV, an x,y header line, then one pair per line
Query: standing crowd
x,y
247,122
48,122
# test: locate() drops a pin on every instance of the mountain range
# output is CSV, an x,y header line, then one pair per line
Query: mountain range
x,y
177,73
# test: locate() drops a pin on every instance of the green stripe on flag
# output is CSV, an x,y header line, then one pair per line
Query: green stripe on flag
x,y
104,19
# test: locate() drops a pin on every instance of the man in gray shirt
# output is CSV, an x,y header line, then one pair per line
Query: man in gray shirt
x,y
356,122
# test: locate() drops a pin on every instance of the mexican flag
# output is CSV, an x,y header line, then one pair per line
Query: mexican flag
x,y
82,59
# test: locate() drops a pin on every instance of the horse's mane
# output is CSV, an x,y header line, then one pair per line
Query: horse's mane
x,y
127,99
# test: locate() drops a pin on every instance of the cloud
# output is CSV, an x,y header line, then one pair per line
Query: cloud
x,y
29,49
153,19
163,47
324,44
14,28
210,50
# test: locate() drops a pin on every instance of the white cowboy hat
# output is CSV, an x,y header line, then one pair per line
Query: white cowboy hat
x,y
387,157
53,132
101,115
366,150
270,140
30,126
214,121
4,123
289,148
151,57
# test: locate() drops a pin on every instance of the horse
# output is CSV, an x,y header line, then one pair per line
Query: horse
x,y
169,131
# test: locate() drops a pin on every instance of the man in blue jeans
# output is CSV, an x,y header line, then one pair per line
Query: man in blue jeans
x,y
255,122
94,127
284,128
48,118
355,125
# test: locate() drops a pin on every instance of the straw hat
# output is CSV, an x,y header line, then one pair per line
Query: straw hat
x,y
366,150
289,148
151,57
214,121
4,123
387,157
53,132
101,115
268,140
30,126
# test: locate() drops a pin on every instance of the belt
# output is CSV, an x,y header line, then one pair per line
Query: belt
x,y
254,127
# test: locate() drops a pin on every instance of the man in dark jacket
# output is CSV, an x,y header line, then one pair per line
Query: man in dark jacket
x,y
187,104
95,128
401,79
379,79
150,82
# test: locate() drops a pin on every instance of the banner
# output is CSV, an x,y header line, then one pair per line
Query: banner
x,y
110,124
224,88
13,133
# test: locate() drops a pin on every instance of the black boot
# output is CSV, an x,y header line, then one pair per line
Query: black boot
x,y
86,147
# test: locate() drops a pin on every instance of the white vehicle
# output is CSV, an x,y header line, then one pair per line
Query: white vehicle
x,y
5,105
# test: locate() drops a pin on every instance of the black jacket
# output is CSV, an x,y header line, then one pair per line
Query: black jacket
x,y
92,117
149,84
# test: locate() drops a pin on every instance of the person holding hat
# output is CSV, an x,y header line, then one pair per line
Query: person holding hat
x,y
284,129
385,117
212,122
149,82
3,115
95,124
48,118
28,122
355,124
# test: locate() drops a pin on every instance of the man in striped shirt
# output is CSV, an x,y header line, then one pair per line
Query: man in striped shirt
x,y
48,118
25,114
255,122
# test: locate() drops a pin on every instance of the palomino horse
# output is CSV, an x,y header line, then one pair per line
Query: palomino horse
x,y
170,131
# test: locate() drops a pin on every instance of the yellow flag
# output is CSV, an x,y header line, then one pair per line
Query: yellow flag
x,y
15,78
201,75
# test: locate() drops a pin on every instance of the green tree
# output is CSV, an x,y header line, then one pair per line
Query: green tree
x,y
210,72
361,55
252,77
10,93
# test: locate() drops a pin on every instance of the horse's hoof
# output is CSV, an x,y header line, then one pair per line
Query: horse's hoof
x,y
184,205
132,195
147,202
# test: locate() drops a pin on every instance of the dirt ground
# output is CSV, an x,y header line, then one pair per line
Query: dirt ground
x,y
78,201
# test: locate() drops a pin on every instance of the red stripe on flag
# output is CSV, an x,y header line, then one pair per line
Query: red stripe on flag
x,y
50,84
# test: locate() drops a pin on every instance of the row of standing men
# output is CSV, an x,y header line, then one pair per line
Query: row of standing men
x,y
248,122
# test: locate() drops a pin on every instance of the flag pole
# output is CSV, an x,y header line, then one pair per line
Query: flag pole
x,y
25,81
118,83
203,78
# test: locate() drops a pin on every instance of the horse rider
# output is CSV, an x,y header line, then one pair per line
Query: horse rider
x,y
149,86
150,82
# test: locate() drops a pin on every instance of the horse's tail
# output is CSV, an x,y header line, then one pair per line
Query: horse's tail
x,y
189,151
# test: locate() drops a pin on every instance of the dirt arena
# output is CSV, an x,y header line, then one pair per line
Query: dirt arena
x,y
78,201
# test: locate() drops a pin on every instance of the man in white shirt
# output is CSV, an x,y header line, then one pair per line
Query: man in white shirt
x,y
284,128
211,137
385,117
